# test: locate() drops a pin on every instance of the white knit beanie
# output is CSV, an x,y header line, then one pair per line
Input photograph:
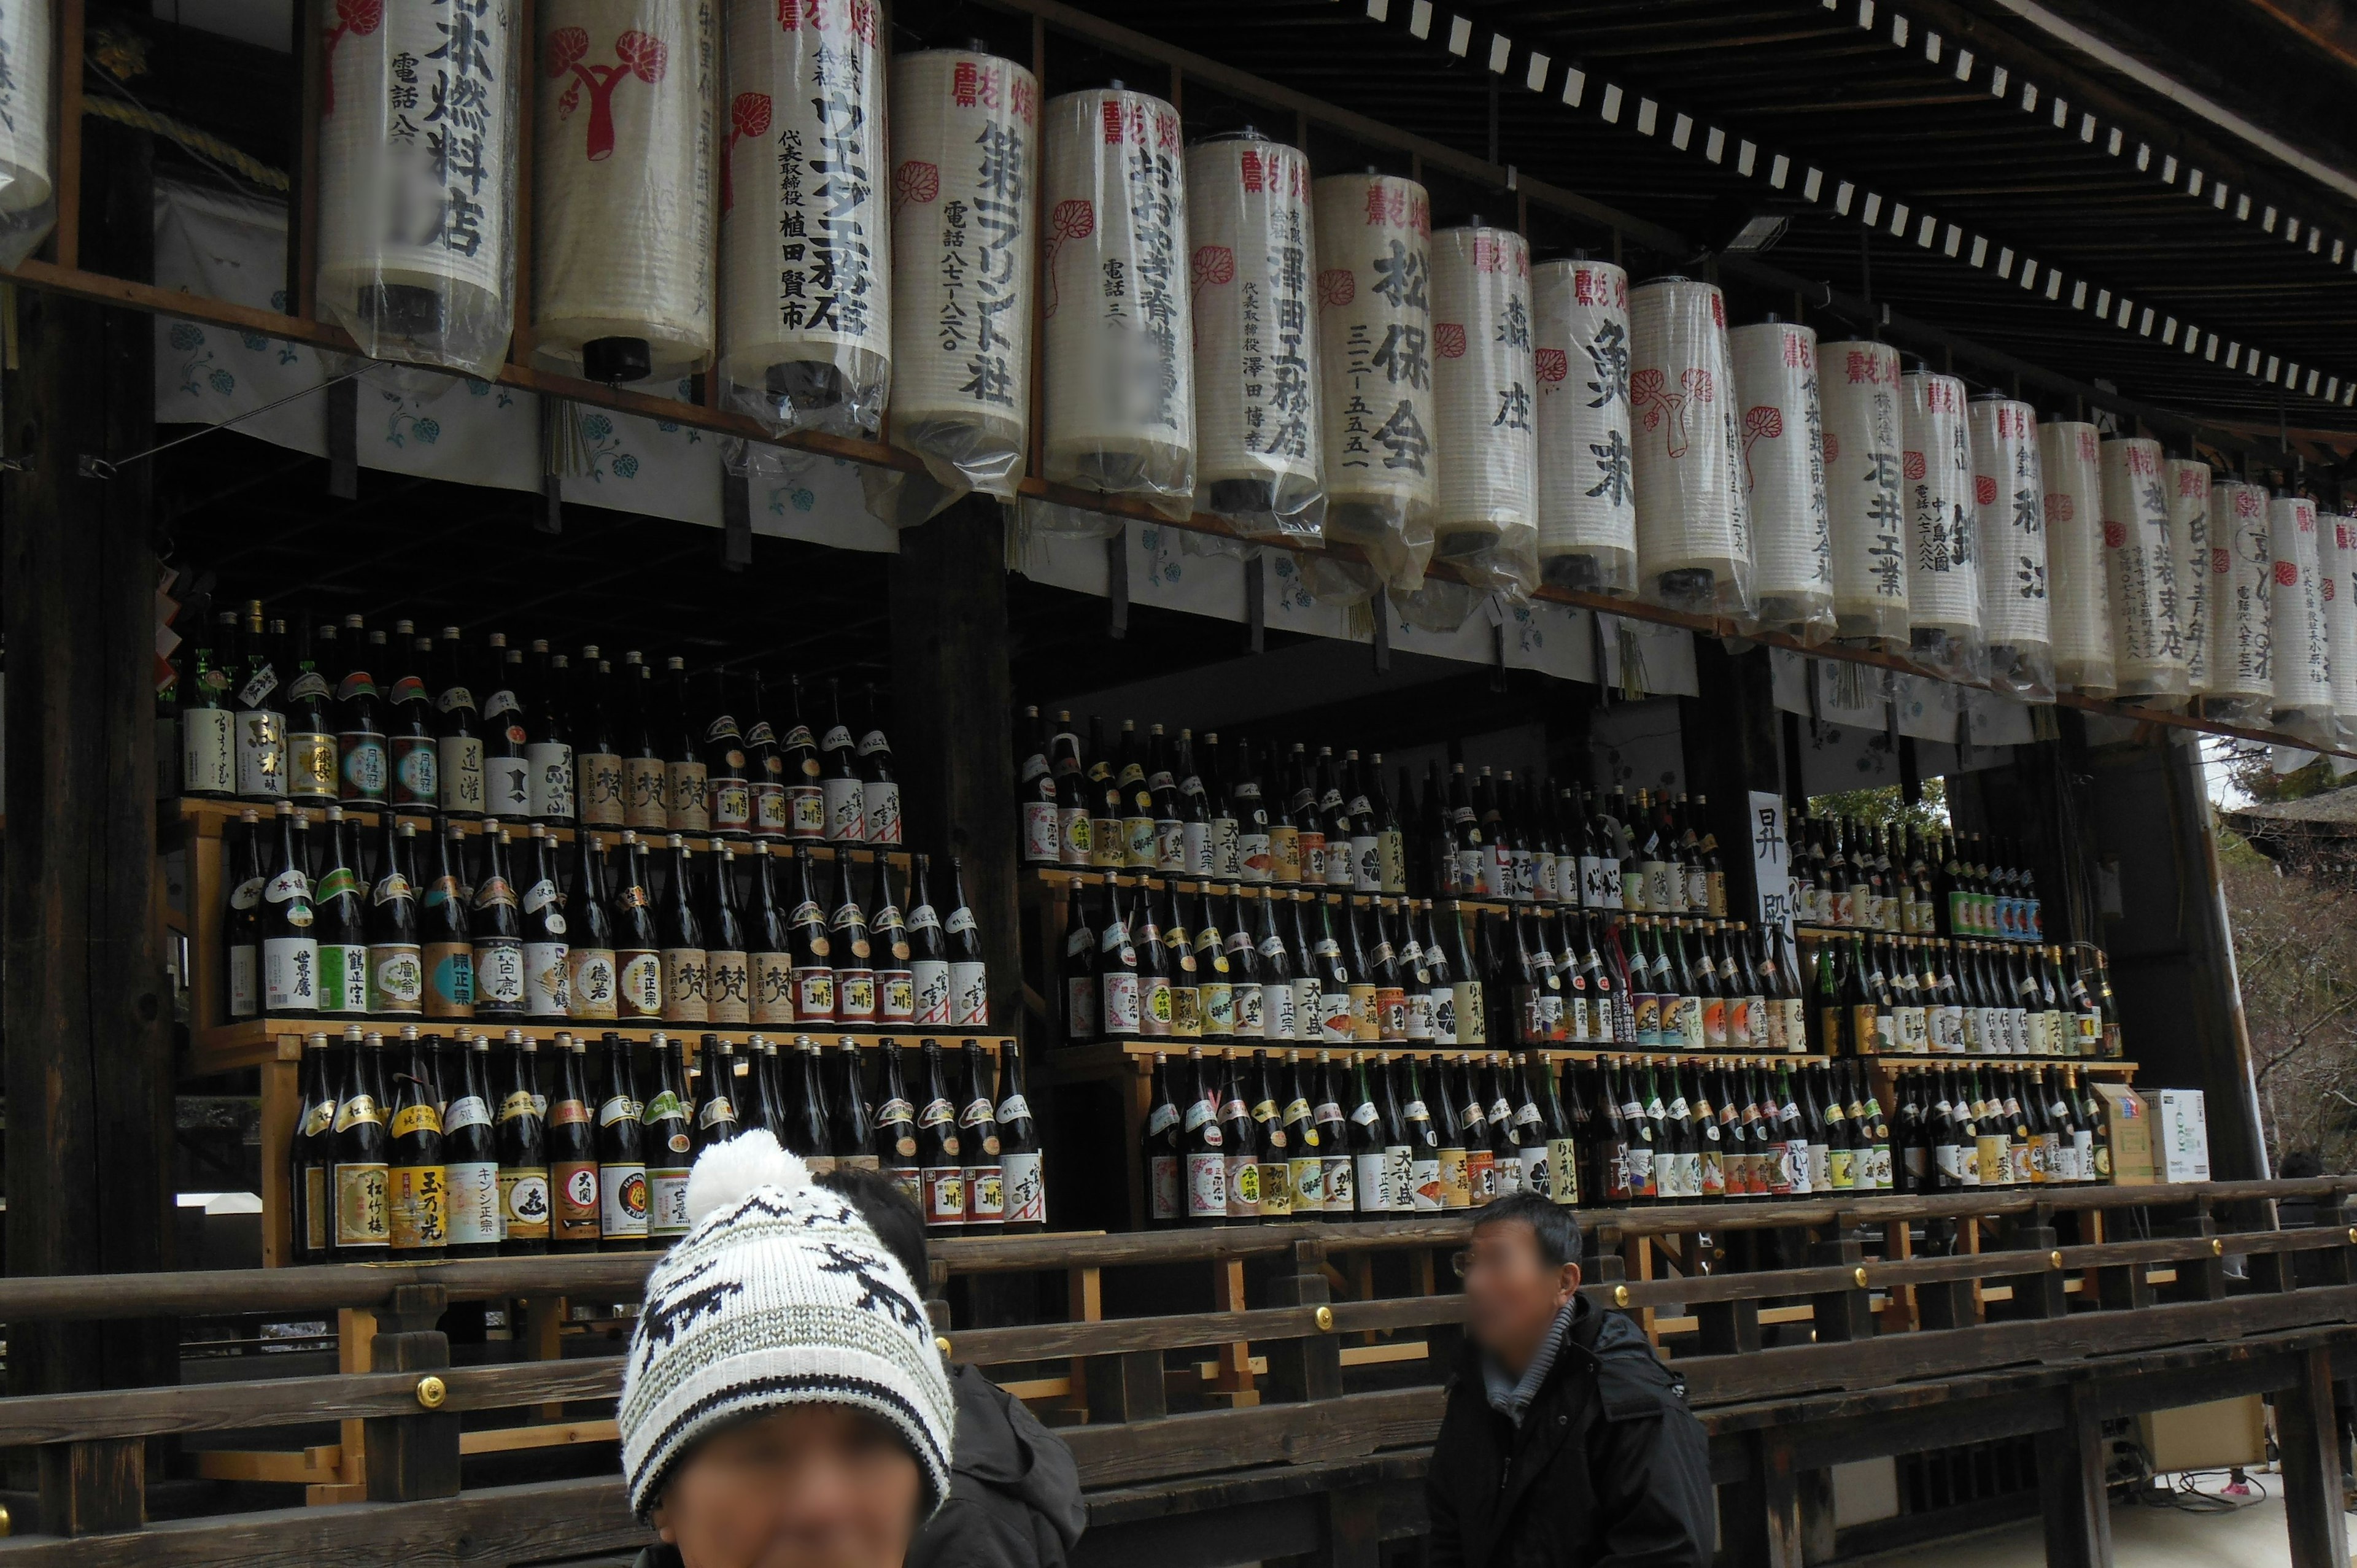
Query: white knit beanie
x,y
780,1295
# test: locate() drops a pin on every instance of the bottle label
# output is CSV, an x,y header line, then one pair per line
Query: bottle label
x,y
686,801
592,986
460,762
207,754
814,995
1372,1174
473,1203
985,1192
1162,1189
1121,1010
549,780
548,981
880,798
1154,1004
667,1212
1042,833
290,975
417,1205
729,984
644,793
639,986
945,1198
1025,1182
1279,1016
260,756
621,1213
845,801
343,978
604,793
1472,1015
687,986
855,997
969,995
507,786
524,1202
362,1217
498,976
311,772
1338,1019
1206,1185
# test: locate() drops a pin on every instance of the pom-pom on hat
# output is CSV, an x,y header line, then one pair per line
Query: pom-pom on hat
x,y
778,1296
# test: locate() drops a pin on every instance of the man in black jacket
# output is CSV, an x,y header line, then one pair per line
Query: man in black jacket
x,y
1015,1493
1565,1444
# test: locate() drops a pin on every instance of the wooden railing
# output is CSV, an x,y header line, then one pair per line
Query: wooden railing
x,y
1300,1392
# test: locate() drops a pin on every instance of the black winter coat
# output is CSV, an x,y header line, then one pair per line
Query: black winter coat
x,y
1609,1469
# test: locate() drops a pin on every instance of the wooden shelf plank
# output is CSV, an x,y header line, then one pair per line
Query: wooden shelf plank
x,y
256,1042
208,817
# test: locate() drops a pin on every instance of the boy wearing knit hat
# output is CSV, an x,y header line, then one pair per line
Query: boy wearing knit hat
x,y
783,1404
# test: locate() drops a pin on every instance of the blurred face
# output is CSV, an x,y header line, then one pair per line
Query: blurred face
x,y
812,1487
1511,1292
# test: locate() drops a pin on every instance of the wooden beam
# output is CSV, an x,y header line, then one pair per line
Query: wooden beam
x,y
2310,1442
2071,1493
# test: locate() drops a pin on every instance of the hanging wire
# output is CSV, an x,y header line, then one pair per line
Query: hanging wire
x,y
90,467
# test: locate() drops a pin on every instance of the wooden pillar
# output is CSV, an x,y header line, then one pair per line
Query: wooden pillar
x,y
87,1011
2312,1465
953,711
1732,747
2070,1494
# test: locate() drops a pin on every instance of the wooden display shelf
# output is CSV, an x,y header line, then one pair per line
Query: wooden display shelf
x,y
209,817
1839,933
258,1041
1936,1058
1056,881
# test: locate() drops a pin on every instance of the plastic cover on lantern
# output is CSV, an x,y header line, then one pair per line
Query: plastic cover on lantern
x,y
1858,386
29,197
1694,536
965,182
1485,515
2302,651
417,251
1782,431
2187,483
2147,636
1250,277
805,220
1588,508
2242,603
1119,365
624,211
1935,489
2336,555
2010,509
1374,348
2078,592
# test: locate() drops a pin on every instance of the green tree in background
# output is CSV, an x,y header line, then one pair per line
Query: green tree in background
x,y
1885,805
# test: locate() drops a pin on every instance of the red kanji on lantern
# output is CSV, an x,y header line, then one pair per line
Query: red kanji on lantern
x,y
1798,355
636,54
1252,175
974,84
2141,460
1862,365
1489,254
361,17
2192,480
2247,503
1025,96
749,115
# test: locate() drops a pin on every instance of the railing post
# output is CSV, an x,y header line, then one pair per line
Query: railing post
x,y
2038,1294
1310,1367
93,1488
412,1456
1847,1314
2071,1493
2312,1465
2198,1279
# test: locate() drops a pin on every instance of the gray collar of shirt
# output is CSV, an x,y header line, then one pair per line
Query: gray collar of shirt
x,y
1511,1397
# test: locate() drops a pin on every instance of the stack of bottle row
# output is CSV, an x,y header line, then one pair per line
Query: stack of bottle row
x,y
1184,960
1924,995
472,922
1906,880
1236,1139
1276,816
348,714
423,1148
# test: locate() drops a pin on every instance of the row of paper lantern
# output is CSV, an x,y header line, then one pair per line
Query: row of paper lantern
x,y
1298,355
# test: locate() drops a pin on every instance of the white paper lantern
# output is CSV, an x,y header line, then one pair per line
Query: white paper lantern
x,y
2187,483
1483,379
417,154
1859,388
1782,431
1694,534
2336,555
1587,503
2009,510
1119,355
2147,637
1935,488
2078,604
965,187
623,215
2303,652
27,192
1374,349
1251,273
806,228
2242,601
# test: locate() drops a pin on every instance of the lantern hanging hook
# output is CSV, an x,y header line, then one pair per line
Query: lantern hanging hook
x,y
94,467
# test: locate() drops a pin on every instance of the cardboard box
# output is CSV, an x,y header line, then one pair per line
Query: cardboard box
x,y
2127,1116
2181,1137
2206,1436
